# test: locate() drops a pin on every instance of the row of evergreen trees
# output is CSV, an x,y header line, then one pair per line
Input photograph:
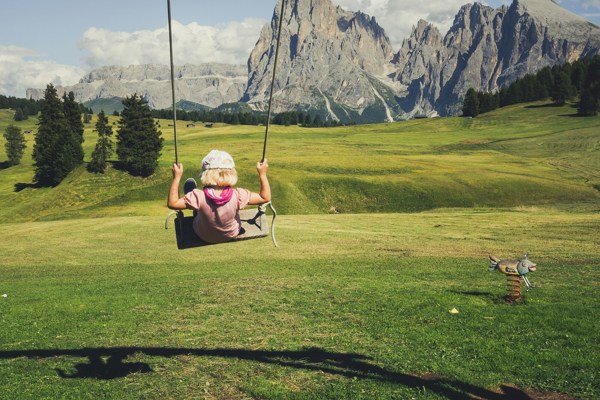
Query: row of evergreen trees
x,y
23,108
58,147
561,83
58,143
247,118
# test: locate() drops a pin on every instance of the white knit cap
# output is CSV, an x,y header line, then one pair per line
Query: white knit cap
x,y
217,159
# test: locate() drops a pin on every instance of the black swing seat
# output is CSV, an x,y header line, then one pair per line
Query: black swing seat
x,y
254,225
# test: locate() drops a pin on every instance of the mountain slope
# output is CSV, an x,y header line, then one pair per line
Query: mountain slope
x,y
486,49
331,56
330,59
207,84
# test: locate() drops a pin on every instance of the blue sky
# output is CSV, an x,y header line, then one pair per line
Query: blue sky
x,y
58,41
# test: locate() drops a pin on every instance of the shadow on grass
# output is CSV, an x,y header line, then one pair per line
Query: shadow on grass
x,y
22,186
109,363
5,165
553,105
545,105
475,293
494,298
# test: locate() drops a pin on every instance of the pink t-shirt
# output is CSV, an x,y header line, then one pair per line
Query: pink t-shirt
x,y
217,224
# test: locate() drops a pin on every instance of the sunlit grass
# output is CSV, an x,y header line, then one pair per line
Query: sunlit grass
x,y
384,229
517,156
248,320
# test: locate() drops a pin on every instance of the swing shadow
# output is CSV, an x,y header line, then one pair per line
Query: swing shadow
x,y
109,363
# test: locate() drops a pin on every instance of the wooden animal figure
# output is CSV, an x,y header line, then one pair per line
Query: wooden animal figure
x,y
514,267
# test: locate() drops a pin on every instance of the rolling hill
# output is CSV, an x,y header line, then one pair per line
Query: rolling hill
x,y
96,300
517,156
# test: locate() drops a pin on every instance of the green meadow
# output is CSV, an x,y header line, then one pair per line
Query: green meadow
x,y
382,229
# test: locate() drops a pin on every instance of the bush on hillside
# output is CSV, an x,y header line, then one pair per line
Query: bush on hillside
x,y
15,144
57,149
103,148
139,141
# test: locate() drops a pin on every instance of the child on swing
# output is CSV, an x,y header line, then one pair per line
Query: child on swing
x,y
216,206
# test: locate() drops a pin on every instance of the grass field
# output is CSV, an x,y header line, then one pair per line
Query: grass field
x,y
384,229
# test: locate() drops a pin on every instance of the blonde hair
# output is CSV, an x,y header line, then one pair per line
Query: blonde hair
x,y
222,177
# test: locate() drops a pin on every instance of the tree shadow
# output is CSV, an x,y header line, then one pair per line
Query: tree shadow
x,y
574,115
22,186
109,363
545,105
5,165
554,105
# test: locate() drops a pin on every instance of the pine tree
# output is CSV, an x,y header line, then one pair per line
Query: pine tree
x,y
471,104
56,151
19,115
317,122
306,121
139,141
590,95
546,79
562,89
103,148
588,105
487,102
73,115
15,144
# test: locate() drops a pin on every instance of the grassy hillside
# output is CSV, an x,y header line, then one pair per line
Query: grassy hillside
x,y
517,156
97,302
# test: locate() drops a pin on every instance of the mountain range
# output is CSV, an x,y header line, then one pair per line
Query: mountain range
x,y
341,64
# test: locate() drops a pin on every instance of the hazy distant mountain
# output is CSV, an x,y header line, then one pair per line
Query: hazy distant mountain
x,y
207,84
341,64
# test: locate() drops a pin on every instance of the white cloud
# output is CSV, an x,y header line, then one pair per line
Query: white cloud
x,y
229,43
398,17
591,4
22,68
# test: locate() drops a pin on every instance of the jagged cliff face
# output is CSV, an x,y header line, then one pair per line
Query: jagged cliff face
x,y
329,59
341,62
207,84
486,49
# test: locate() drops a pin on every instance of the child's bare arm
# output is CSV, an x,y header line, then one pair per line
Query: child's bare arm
x,y
174,202
264,195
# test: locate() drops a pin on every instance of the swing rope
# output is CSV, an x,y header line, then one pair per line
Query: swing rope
x,y
264,153
172,82
273,80
263,206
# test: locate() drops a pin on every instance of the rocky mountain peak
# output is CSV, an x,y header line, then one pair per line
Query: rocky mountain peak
x,y
557,21
425,33
487,48
328,57
546,10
